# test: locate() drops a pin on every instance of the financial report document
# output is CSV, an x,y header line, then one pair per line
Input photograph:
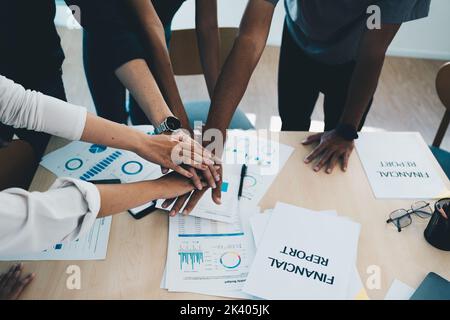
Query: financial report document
x,y
205,254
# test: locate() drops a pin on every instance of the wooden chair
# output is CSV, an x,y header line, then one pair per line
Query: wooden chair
x,y
185,59
443,91
17,165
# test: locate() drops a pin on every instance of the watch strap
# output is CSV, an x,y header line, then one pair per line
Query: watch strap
x,y
347,132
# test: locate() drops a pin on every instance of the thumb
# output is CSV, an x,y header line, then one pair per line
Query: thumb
x,y
164,170
311,139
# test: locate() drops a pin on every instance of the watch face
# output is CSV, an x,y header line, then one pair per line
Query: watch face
x,y
173,123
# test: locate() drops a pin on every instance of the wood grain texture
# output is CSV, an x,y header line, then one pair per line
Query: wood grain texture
x,y
137,249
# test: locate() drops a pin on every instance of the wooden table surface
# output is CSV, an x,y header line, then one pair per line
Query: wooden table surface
x,y
137,249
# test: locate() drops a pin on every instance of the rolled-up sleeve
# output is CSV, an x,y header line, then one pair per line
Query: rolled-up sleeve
x,y
33,110
34,221
108,23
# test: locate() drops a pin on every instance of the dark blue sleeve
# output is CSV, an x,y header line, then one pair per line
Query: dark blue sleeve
x,y
399,11
108,22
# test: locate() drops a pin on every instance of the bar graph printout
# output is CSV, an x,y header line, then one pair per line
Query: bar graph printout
x,y
205,254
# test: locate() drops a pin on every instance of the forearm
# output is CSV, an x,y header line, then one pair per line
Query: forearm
x,y
233,82
362,88
208,39
158,56
369,63
101,131
136,76
162,67
209,47
122,197
240,64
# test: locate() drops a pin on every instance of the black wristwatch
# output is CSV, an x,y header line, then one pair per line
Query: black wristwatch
x,y
347,132
171,124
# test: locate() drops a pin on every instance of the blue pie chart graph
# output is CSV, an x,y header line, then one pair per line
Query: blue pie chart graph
x,y
132,168
97,148
230,260
74,164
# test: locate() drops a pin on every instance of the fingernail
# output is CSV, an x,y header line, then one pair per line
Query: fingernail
x,y
199,187
304,141
214,185
190,175
306,160
185,212
219,200
329,171
316,169
172,213
217,178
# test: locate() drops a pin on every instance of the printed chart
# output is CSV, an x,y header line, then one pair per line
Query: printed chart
x,y
88,162
92,246
205,254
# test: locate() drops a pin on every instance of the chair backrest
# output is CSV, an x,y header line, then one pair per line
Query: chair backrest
x,y
443,91
185,55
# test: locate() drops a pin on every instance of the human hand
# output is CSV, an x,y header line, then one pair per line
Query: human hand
x,y
195,197
174,185
171,151
11,283
331,149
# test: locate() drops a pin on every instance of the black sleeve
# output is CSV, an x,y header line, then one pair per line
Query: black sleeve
x,y
107,21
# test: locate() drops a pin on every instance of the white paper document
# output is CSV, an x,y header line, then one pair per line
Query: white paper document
x,y
92,246
259,223
400,166
265,159
207,209
304,255
87,161
235,294
205,255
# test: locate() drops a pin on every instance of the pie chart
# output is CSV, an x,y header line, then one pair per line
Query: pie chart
x,y
132,167
230,260
74,164
97,148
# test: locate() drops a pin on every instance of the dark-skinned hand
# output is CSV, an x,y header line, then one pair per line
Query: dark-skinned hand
x,y
12,284
331,150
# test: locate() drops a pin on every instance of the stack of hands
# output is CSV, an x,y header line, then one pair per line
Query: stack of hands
x,y
195,169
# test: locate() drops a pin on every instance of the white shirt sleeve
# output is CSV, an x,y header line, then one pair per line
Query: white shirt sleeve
x,y
32,110
33,221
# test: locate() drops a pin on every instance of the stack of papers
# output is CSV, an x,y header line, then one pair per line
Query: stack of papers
x,y
209,257
287,253
284,253
302,254
211,251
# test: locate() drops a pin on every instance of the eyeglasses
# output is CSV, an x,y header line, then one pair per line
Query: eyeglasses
x,y
402,218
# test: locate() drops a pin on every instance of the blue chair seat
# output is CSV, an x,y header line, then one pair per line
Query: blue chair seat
x,y
443,157
198,111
